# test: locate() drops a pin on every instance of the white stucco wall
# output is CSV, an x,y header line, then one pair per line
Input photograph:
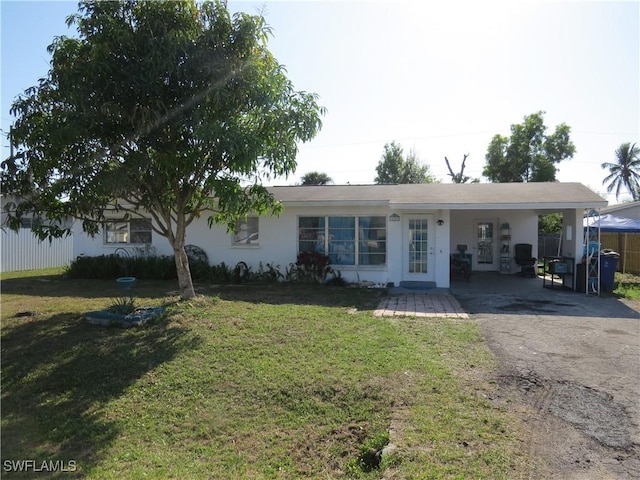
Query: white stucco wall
x,y
278,238
523,224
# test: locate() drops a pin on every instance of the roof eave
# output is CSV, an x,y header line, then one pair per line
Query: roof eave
x,y
335,203
496,206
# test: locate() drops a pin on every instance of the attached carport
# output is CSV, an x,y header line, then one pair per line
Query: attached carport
x,y
518,206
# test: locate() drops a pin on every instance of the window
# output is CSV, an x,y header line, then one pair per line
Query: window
x,y
29,222
247,232
342,240
311,234
135,231
372,243
346,240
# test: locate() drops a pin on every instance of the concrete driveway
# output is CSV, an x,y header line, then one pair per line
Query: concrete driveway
x,y
572,364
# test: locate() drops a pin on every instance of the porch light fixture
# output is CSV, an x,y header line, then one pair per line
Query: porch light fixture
x,y
440,222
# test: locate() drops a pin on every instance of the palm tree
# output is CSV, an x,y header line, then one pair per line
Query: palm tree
x,y
316,178
625,172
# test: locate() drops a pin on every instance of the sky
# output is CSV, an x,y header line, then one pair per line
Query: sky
x,y
440,78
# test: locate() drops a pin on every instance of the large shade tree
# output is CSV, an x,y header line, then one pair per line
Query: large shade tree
x,y
173,110
529,154
394,167
625,171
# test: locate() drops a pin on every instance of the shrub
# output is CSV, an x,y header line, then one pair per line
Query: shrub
x,y
269,273
107,267
123,305
153,268
220,273
102,267
200,270
310,267
336,280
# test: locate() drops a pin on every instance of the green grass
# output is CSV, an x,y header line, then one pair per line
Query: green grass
x,y
246,382
627,286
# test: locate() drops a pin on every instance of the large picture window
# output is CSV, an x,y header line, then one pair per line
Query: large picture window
x,y
372,244
346,240
134,231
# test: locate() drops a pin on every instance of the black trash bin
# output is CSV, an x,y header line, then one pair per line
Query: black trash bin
x,y
580,278
608,265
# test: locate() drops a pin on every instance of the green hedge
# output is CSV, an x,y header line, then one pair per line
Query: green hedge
x,y
307,268
107,267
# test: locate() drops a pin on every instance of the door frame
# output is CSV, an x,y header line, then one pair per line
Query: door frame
x,y
430,274
484,267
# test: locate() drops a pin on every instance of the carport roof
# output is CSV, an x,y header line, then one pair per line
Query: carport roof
x,y
454,196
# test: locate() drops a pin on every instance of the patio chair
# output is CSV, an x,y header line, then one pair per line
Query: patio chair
x,y
461,263
524,259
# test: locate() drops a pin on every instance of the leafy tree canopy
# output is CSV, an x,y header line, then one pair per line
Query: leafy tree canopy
x,y
550,223
168,109
316,178
529,154
625,172
395,168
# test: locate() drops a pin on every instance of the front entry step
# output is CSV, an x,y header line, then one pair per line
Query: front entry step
x,y
415,285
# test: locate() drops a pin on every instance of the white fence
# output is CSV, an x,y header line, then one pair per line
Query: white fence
x,y
23,251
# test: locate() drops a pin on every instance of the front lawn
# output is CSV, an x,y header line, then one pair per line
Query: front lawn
x,y
246,382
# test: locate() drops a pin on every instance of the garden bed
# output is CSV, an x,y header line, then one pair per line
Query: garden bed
x,y
137,318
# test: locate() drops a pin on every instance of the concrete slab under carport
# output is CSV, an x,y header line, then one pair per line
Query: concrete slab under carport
x,y
494,282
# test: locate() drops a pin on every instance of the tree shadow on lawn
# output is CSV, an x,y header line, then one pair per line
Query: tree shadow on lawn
x,y
62,286
300,294
268,293
59,375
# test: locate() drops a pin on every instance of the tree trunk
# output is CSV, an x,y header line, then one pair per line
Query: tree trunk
x,y
185,283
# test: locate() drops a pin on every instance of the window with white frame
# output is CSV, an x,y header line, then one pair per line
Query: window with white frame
x,y
134,231
347,240
372,240
247,232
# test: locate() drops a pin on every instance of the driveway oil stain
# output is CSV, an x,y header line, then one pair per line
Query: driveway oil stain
x,y
531,305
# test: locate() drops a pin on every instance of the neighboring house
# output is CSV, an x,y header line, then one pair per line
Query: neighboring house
x,y
627,210
381,233
22,250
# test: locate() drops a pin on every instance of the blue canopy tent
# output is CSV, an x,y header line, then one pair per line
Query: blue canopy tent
x,y
613,224
623,244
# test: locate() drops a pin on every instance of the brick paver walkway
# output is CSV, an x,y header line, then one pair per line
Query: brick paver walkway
x,y
421,305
